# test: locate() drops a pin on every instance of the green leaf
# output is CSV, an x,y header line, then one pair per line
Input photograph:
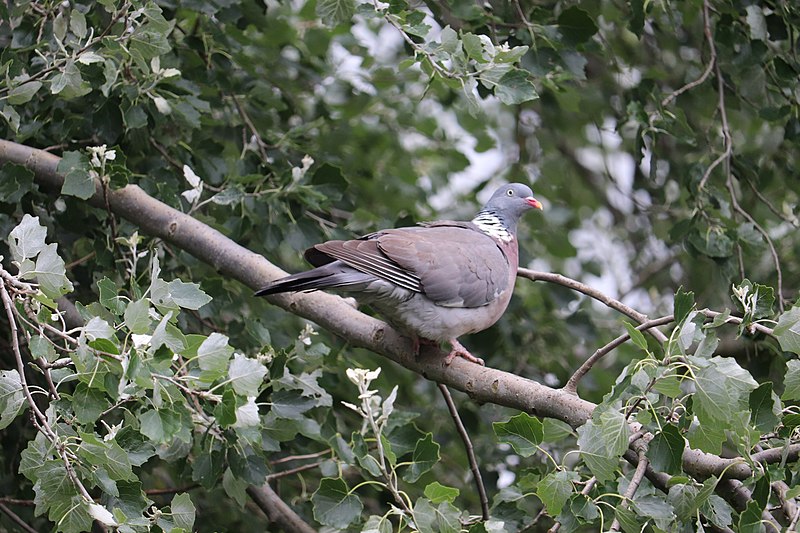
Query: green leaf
x,y
668,385
441,519
602,441
137,316
15,180
426,454
788,330
77,23
183,511
791,382
308,384
765,408
334,505
12,397
107,454
723,389
109,296
757,22
214,353
576,25
474,47
636,336
207,468
555,430
335,12
627,519
225,411
187,295
718,511
165,334
164,425
683,498
27,239
438,493
714,242
51,273
235,488
74,166
42,347
246,375
515,88
756,300
655,508
290,404
22,94
666,450
555,489
88,403
522,431
750,519
68,82
707,437
377,524
684,304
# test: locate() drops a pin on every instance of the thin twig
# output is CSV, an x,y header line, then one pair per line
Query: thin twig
x,y
711,60
73,264
775,259
570,283
300,457
176,490
572,384
38,418
16,519
292,471
17,501
725,155
262,146
791,220
738,320
633,486
473,463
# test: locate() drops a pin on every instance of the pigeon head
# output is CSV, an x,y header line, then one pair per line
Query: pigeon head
x,y
505,207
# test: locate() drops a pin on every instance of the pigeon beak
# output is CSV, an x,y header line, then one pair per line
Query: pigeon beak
x,y
534,202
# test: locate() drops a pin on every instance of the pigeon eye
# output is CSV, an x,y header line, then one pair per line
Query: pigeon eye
x,y
510,192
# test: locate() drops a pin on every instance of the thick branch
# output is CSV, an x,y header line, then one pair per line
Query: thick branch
x,y
277,510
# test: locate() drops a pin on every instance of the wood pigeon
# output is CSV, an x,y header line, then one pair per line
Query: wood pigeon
x,y
434,282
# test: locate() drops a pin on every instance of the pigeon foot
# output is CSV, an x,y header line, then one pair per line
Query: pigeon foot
x,y
417,342
459,350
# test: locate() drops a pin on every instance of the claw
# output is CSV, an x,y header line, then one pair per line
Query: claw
x,y
459,350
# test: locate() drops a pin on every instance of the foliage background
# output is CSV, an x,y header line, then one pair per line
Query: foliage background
x,y
661,136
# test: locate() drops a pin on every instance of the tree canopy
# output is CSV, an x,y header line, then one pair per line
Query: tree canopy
x,y
161,160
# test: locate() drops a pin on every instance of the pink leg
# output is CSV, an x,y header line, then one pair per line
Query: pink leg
x,y
459,350
417,342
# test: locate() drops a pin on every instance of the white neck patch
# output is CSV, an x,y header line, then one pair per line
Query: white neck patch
x,y
492,226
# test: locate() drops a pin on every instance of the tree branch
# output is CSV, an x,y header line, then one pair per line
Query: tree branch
x,y
473,463
14,517
570,283
277,510
572,384
633,486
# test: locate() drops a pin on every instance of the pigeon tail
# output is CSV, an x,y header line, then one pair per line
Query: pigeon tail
x,y
323,277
